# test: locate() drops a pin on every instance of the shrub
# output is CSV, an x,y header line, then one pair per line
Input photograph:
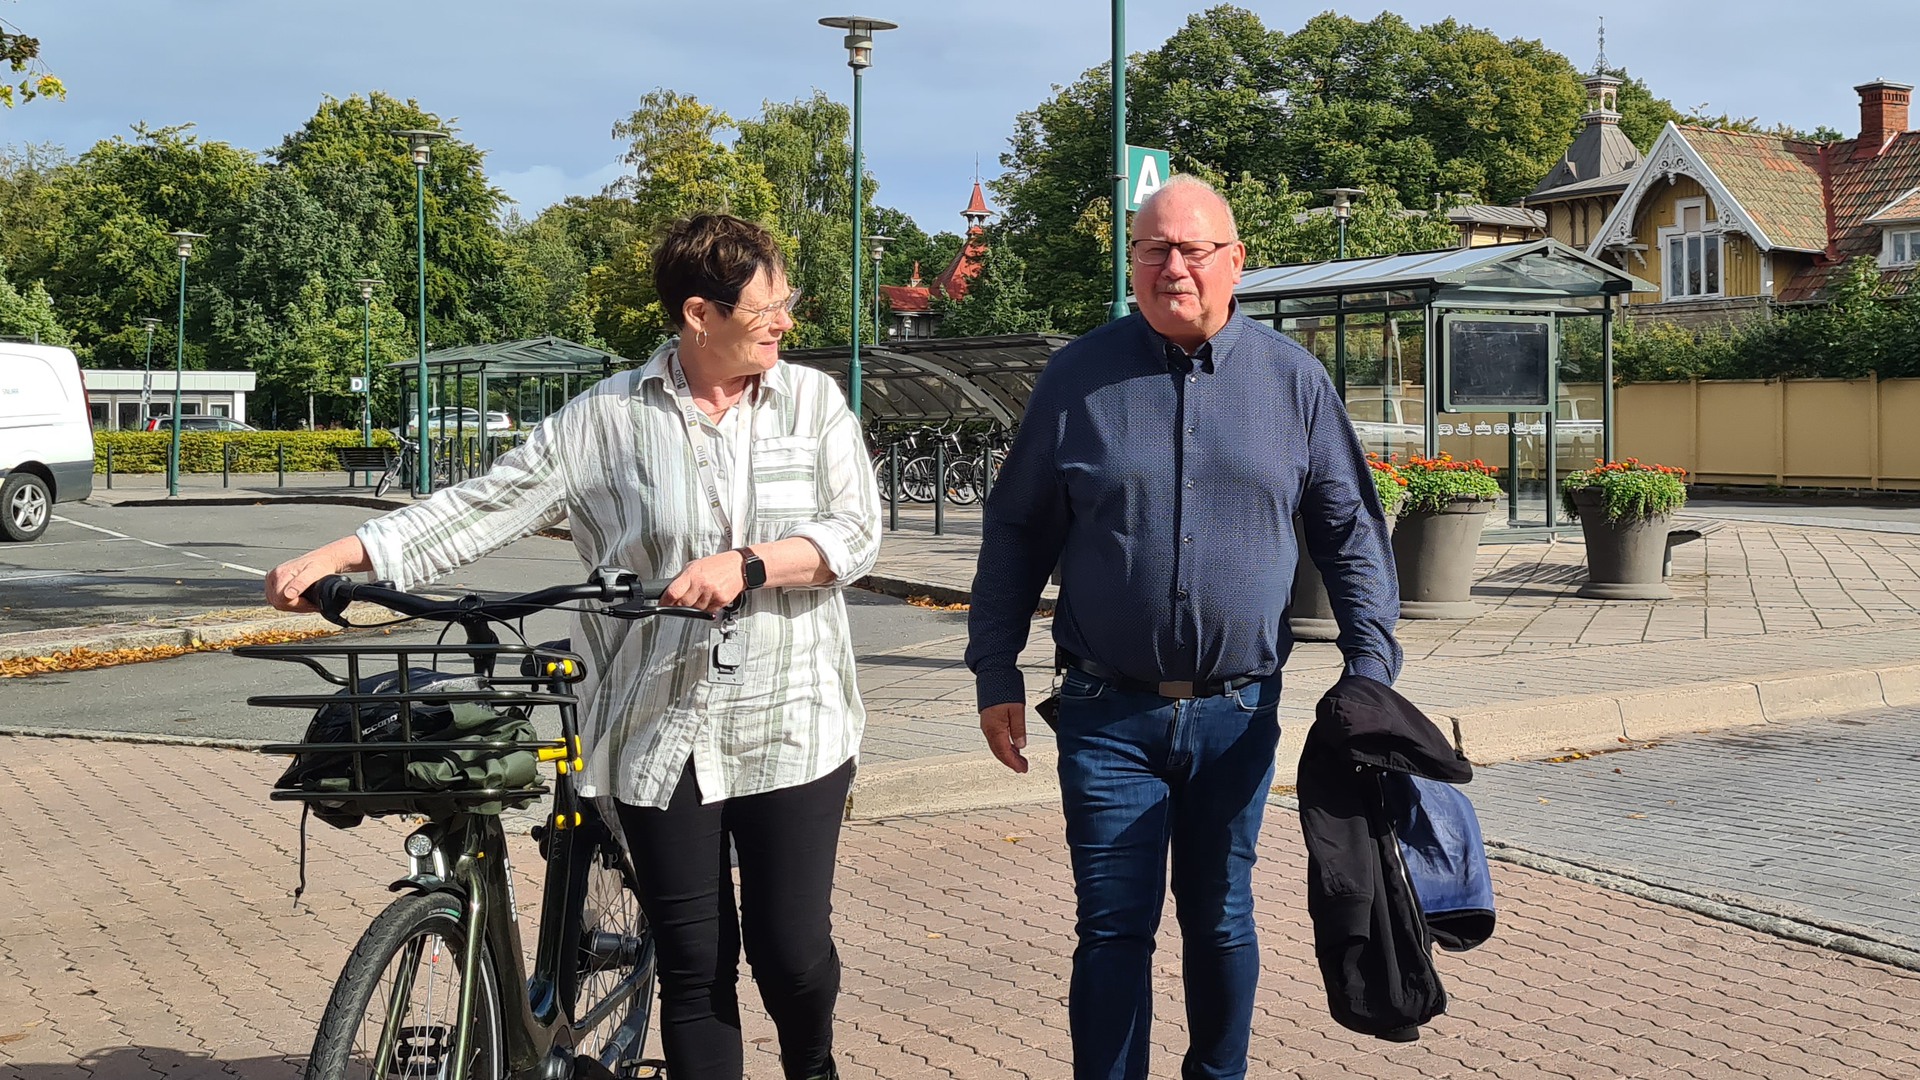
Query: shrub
x,y
1628,489
200,451
1432,483
1388,483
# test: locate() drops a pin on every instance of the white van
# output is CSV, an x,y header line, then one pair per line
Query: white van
x,y
46,437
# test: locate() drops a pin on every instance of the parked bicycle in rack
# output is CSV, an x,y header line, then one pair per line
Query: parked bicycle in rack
x,y
438,985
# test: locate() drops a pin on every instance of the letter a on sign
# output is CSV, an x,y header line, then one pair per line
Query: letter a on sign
x,y
1147,169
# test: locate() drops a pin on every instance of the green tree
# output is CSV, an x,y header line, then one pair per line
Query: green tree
x,y
804,150
106,258
29,212
1410,114
29,314
997,300
911,245
680,167
347,147
21,55
1642,116
563,245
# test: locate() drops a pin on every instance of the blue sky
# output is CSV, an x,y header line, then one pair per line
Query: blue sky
x,y
540,85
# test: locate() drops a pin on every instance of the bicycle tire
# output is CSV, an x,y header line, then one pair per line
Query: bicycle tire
x,y
963,482
608,983
433,920
917,481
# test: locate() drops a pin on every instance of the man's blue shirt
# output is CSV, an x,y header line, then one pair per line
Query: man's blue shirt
x,y
1165,485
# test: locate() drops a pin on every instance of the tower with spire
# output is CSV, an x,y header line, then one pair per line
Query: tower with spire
x,y
1597,167
912,304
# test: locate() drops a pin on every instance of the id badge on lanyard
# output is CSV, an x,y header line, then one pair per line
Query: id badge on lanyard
x,y
727,655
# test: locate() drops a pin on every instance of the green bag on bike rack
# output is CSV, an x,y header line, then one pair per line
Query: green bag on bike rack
x,y
422,782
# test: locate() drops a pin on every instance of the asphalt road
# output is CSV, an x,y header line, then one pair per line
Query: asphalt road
x,y
1810,821
101,565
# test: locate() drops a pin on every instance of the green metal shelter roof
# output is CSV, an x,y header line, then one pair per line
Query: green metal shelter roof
x,y
534,356
933,380
1532,271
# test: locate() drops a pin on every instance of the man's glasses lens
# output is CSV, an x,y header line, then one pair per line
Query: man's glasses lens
x,y
1193,252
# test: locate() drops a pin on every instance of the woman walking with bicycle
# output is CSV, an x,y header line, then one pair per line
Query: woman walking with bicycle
x,y
747,481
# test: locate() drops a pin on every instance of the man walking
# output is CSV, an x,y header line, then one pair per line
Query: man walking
x,y
1160,463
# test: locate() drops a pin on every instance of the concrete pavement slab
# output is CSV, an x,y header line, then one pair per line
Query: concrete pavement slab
x,y
167,944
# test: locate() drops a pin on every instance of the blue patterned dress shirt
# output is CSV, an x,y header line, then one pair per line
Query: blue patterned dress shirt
x,y
1164,486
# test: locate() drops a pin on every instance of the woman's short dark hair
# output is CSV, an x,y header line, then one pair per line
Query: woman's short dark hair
x,y
712,256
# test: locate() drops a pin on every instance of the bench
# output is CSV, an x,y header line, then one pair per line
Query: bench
x,y
370,460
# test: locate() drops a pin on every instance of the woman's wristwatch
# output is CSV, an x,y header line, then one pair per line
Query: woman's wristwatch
x,y
751,568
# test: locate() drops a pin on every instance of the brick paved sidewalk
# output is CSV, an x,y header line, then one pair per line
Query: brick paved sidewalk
x,y
146,931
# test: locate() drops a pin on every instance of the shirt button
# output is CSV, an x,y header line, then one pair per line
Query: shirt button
x,y
1193,378
1186,539
1183,594
1189,484
1189,431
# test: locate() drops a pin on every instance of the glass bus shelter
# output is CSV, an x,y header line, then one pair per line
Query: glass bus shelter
x,y
1375,324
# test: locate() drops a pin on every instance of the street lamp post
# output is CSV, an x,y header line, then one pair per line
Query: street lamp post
x,y
1119,309
1342,210
146,371
879,249
859,43
183,246
366,335
420,145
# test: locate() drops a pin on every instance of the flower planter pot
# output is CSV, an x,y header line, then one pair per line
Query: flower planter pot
x,y
1435,552
1311,615
1625,558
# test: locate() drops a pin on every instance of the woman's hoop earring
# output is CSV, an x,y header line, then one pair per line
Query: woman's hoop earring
x,y
700,340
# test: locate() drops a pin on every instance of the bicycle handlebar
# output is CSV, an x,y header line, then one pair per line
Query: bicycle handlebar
x,y
333,593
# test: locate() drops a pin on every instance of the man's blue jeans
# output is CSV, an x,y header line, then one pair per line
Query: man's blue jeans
x,y
1141,774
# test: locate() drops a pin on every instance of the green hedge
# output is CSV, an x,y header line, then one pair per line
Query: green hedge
x,y
200,451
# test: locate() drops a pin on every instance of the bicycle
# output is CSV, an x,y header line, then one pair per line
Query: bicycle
x,y
437,985
401,470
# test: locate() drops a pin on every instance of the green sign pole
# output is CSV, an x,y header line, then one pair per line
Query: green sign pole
x,y
853,359
1119,309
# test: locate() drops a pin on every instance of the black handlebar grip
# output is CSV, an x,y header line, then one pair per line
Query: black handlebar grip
x,y
331,594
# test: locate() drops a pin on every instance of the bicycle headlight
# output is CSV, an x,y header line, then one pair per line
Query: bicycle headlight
x,y
419,845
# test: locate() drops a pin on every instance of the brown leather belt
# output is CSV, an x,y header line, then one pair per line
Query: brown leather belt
x,y
1164,689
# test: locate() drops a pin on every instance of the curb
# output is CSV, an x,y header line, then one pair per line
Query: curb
x,y
370,502
1540,728
183,633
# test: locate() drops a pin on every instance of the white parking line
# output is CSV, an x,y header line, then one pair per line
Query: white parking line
x,y
163,547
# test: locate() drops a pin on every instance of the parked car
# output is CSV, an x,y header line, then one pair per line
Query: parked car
x,y
46,437
1388,425
199,422
450,421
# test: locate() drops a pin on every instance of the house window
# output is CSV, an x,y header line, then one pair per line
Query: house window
x,y
1692,253
1903,246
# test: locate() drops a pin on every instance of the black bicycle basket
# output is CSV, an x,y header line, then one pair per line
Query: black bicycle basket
x,y
401,737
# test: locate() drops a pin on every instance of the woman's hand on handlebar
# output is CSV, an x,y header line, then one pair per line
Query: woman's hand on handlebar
x,y
709,584
286,582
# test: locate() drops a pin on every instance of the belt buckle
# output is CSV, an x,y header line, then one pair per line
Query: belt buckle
x,y
1176,689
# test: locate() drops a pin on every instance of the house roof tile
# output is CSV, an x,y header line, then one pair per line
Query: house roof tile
x,y
1860,191
1775,180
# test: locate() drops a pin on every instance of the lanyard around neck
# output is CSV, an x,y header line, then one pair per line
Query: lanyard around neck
x,y
703,450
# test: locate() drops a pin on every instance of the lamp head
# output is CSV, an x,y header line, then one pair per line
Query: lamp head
x,y
859,39
1343,200
183,241
419,142
879,245
366,287
150,323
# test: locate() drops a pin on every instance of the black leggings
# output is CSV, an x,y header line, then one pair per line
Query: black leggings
x,y
787,842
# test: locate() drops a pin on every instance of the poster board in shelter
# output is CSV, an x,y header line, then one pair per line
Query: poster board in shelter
x,y
1497,363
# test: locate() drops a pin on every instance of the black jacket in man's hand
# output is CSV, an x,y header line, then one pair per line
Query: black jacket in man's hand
x,y
1370,936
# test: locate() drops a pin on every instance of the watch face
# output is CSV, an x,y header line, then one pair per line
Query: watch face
x,y
754,569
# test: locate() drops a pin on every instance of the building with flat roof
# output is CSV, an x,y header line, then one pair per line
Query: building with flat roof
x,y
114,397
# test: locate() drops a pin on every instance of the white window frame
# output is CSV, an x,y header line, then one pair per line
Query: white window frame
x,y
1672,290
1900,245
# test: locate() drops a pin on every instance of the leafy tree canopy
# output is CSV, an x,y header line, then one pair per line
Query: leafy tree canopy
x,y
21,55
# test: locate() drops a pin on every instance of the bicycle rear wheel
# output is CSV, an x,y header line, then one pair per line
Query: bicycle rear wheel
x,y
395,1009
608,982
917,481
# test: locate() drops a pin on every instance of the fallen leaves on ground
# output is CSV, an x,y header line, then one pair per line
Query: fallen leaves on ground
x,y
931,604
84,659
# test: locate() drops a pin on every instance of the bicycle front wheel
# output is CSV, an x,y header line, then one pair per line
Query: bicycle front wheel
x,y
395,1010
608,982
